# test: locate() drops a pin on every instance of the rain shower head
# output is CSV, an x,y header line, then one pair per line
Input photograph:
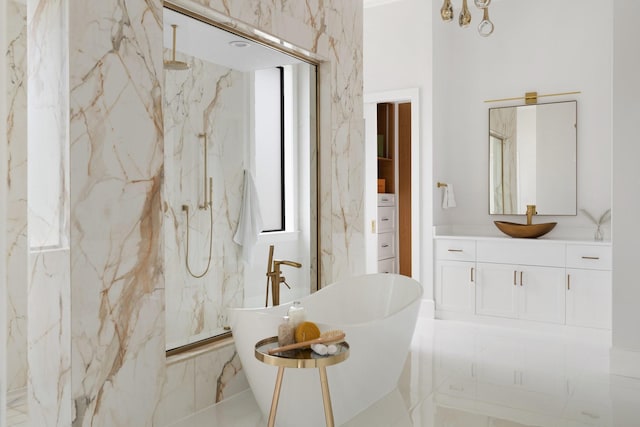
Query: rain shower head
x,y
173,64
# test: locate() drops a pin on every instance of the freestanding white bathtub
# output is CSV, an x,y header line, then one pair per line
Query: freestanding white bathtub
x,y
378,313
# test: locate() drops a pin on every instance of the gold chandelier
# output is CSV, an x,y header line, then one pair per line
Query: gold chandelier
x,y
485,28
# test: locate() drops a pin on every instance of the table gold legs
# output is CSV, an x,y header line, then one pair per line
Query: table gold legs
x,y
326,398
276,396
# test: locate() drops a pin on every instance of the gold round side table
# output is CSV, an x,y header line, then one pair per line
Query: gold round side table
x,y
302,358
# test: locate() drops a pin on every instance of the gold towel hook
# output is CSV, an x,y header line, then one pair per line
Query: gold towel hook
x,y
441,184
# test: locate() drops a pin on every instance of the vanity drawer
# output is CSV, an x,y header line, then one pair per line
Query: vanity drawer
x,y
595,257
522,251
386,219
387,265
456,250
386,245
386,199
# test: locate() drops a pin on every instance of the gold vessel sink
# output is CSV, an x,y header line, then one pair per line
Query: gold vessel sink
x,y
527,231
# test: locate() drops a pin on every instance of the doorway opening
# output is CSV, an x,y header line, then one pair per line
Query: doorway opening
x,y
392,188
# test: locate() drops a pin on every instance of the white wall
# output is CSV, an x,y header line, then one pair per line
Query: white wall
x,y
547,46
626,184
398,55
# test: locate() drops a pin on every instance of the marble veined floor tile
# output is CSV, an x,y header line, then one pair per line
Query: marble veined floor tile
x,y
462,374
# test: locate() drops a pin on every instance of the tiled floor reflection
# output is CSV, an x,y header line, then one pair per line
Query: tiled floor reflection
x,y
466,375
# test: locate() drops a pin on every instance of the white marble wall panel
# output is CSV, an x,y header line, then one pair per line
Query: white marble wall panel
x,y
228,378
196,382
49,353
178,393
206,99
116,158
16,120
3,218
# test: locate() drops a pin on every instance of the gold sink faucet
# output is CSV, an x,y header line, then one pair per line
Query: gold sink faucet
x,y
531,211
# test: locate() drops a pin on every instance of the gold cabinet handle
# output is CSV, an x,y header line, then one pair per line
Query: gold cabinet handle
x,y
521,278
472,280
455,250
568,282
591,257
514,277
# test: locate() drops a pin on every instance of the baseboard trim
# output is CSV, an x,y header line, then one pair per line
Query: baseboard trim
x,y
625,363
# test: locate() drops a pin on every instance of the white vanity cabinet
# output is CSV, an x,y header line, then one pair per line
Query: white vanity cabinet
x,y
548,281
455,276
529,287
497,291
589,286
521,292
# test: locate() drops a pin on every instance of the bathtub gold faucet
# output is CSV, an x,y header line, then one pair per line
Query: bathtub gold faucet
x,y
275,277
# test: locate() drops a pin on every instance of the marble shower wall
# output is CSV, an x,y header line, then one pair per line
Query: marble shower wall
x,y
332,30
116,159
16,57
206,99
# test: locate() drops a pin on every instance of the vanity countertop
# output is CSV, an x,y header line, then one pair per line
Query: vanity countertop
x,y
572,236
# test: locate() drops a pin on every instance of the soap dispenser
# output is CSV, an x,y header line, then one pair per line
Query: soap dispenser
x,y
296,313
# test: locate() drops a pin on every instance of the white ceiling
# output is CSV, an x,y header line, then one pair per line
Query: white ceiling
x,y
211,44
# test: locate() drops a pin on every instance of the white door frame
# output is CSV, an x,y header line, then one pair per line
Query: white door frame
x,y
371,165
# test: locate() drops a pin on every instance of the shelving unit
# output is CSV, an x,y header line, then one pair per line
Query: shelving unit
x,y
386,146
394,183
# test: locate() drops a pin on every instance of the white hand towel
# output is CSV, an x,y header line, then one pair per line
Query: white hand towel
x,y
448,198
250,220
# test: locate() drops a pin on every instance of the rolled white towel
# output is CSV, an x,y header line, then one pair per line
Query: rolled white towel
x,y
321,349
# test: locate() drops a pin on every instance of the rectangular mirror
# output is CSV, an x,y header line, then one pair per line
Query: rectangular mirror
x,y
532,159
233,108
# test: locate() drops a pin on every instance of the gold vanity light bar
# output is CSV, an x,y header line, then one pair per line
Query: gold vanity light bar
x,y
532,97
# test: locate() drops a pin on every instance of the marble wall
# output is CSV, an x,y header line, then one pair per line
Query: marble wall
x,y
116,159
105,295
206,99
16,57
